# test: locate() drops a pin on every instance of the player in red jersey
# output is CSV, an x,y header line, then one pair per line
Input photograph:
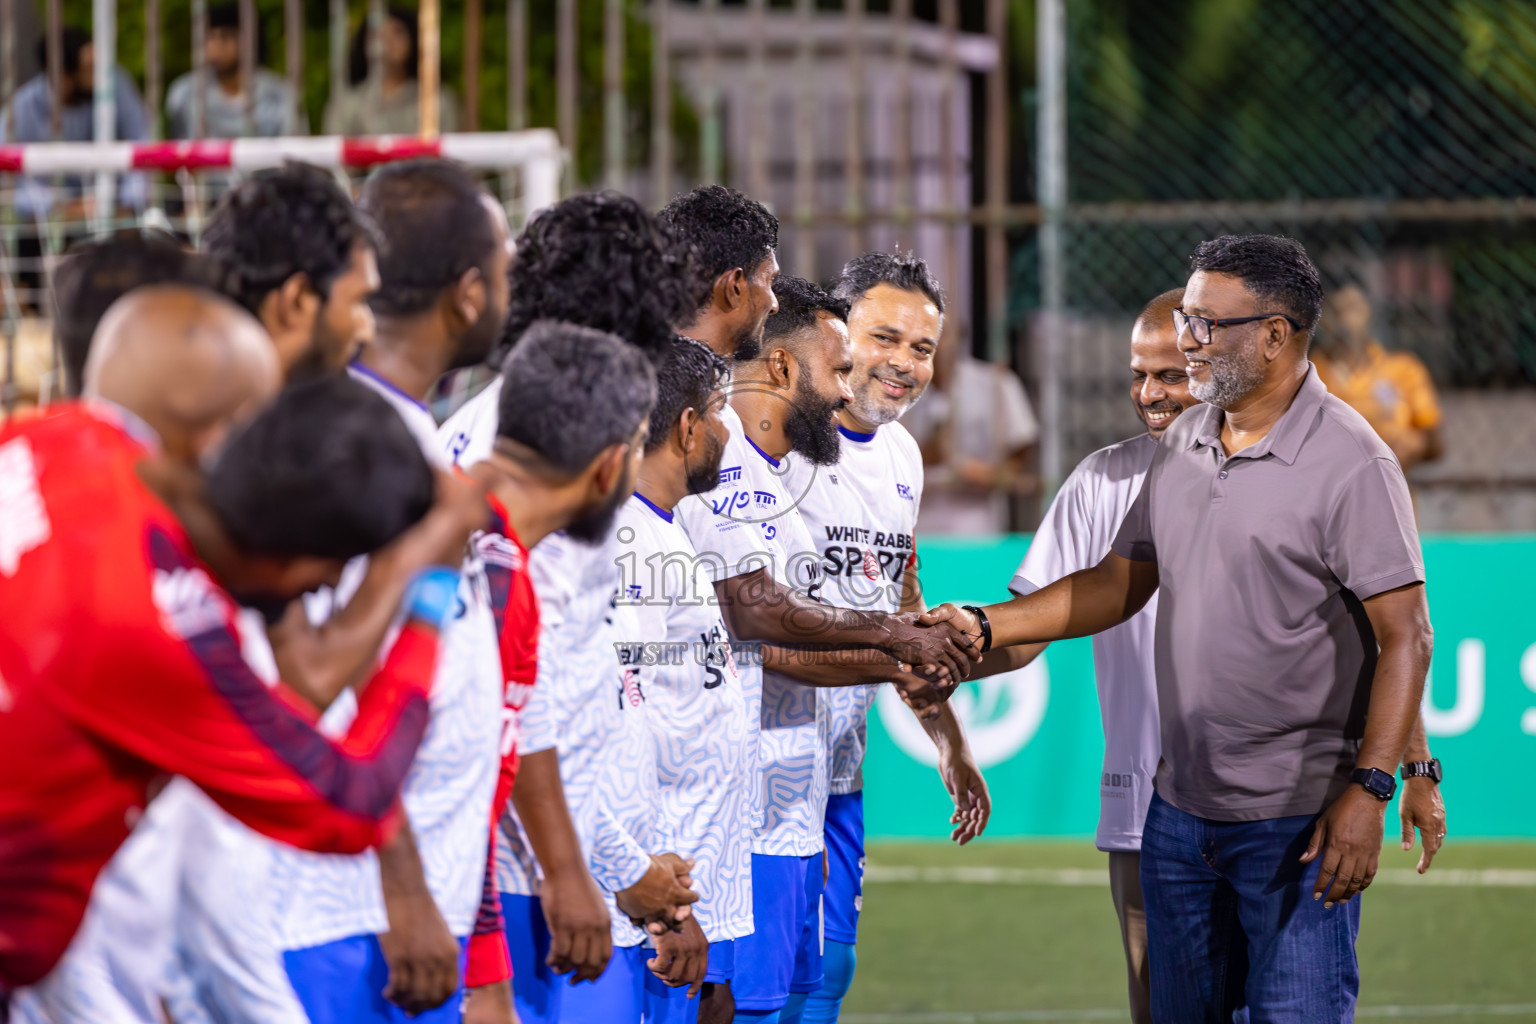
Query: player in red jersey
x,y
119,659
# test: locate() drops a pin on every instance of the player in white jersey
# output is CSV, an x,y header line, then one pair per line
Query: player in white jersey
x,y
598,260
862,513
376,936
768,577
699,711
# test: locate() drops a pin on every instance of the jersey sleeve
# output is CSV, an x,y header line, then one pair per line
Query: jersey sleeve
x,y
489,959
1067,540
200,711
618,859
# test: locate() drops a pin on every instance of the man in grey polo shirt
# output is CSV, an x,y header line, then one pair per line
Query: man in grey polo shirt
x,y
1291,647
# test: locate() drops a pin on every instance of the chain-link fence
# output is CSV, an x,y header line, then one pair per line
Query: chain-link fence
x,y
1395,138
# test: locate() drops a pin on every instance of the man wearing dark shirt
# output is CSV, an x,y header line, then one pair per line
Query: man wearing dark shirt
x,y
1291,648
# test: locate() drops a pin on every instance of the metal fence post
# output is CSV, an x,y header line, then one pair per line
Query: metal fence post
x,y
853,175
566,83
661,105
613,94
474,21
337,38
997,186
104,43
429,66
709,74
154,86
805,142
1051,60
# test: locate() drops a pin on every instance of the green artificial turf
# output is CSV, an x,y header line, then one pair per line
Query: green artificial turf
x,y
947,952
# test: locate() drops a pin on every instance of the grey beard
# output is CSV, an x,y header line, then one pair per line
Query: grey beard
x,y
878,413
1233,378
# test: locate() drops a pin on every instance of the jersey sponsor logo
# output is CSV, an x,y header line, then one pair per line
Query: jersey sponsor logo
x,y
630,689
871,564
189,604
1001,715
904,492
517,694
457,444
24,523
729,475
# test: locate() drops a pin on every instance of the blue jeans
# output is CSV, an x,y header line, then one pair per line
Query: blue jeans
x,y
1231,922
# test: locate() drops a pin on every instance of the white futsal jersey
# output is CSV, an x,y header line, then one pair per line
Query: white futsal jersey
x,y
324,897
748,522
703,722
862,513
583,703
1076,534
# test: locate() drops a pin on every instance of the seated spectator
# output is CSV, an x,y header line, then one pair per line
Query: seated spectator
x,y
1392,390
274,111
978,435
390,105
31,121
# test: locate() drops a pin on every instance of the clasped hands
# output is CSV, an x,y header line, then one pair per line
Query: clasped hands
x,y
936,654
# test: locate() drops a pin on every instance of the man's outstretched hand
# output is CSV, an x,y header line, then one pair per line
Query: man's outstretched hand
x,y
939,644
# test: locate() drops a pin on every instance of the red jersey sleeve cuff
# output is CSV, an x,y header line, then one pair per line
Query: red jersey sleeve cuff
x,y
489,960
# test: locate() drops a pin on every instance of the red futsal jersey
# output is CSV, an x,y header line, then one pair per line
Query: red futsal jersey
x,y
517,624
120,663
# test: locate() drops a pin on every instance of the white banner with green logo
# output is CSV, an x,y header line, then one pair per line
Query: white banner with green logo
x,y
1037,737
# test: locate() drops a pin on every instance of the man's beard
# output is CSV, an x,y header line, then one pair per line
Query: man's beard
x,y
749,342
475,347
810,428
1233,376
325,355
876,409
705,476
593,527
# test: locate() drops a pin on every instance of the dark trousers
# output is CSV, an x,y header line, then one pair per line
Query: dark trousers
x,y
1231,923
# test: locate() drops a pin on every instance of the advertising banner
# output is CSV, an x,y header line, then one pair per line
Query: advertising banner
x,y
1036,732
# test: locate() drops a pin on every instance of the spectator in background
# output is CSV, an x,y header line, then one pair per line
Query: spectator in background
x,y
978,434
32,121
1392,390
274,110
389,105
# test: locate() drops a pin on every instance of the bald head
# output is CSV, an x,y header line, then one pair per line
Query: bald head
x,y
186,361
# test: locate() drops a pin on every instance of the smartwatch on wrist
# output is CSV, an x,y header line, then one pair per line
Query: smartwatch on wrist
x,y
1422,770
1376,782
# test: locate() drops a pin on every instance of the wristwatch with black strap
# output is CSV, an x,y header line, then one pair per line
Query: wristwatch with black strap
x,y
1378,783
1422,770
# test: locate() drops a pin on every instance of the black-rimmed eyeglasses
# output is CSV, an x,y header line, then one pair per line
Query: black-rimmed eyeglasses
x,y
1200,327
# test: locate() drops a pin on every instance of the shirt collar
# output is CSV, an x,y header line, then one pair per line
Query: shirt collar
x,y
126,420
771,460
360,370
1284,439
854,435
663,513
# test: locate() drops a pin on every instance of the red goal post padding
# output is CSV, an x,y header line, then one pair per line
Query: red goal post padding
x,y
537,152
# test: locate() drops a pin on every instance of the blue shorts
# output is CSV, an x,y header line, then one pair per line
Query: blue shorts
x,y
783,954
845,866
544,997
342,982
667,1005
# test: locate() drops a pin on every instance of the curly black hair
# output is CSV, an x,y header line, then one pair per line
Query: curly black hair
x,y
291,220
685,377
432,226
600,260
1274,268
905,270
725,228
800,302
